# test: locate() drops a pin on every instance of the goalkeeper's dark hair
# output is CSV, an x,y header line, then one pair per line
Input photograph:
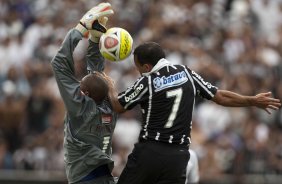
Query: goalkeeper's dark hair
x,y
149,53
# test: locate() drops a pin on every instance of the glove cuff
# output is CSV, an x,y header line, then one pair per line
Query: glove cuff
x,y
82,30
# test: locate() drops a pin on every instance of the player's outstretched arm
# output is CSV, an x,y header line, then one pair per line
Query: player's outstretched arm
x,y
261,100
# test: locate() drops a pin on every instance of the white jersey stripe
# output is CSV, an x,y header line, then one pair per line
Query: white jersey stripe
x,y
138,81
203,86
194,88
170,138
149,104
157,136
189,140
182,139
191,79
145,136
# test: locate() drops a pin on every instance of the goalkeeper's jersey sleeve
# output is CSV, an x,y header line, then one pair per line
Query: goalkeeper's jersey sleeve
x,y
94,59
63,68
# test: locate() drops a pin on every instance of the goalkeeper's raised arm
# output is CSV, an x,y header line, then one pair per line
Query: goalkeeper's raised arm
x,y
90,119
95,61
92,22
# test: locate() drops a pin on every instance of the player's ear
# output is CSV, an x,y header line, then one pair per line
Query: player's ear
x,y
86,93
147,67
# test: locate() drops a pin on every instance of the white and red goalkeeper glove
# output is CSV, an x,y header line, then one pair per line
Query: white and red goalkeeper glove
x,y
95,34
91,20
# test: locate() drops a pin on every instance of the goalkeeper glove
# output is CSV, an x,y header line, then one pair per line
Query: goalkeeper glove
x,y
95,34
90,20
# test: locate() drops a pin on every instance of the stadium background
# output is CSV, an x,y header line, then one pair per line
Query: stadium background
x,y
236,45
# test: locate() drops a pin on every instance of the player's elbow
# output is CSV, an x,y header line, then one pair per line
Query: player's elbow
x,y
119,109
219,97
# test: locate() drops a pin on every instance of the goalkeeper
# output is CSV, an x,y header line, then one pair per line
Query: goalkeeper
x,y
90,120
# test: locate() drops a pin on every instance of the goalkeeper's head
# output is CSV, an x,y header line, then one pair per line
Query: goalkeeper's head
x,y
95,86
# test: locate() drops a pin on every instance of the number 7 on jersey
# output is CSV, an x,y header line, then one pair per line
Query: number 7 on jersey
x,y
177,93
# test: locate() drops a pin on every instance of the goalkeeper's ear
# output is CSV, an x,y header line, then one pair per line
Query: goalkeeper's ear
x,y
98,28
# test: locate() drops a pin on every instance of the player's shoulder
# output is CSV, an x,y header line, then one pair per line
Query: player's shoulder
x,y
177,66
137,87
143,80
180,67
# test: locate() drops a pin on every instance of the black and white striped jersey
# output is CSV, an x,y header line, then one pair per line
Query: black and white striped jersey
x,y
166,96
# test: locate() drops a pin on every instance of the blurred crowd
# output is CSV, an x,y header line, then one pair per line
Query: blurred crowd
x,y
234,44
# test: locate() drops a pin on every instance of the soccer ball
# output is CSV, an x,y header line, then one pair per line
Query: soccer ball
x,y
116,44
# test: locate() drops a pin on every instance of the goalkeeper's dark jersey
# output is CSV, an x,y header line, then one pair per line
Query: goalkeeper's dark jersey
x,y
166,96
88,126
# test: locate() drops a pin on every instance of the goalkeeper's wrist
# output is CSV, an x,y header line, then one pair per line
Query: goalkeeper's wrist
x,y
82,30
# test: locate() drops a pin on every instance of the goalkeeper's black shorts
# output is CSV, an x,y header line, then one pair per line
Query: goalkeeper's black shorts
x,y
156,163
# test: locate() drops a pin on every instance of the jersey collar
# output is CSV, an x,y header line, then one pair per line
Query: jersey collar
x,y
161,63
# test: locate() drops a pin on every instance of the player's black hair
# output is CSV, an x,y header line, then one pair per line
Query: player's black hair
x,y
96,86
149,53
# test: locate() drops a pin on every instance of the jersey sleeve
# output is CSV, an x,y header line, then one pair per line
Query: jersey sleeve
x,y
63,68
134,94
203,89
94,59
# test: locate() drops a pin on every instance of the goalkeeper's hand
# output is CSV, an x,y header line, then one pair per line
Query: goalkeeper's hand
x,y
90,21
95,34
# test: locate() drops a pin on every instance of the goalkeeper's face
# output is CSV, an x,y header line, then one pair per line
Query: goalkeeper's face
x,y
95,86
